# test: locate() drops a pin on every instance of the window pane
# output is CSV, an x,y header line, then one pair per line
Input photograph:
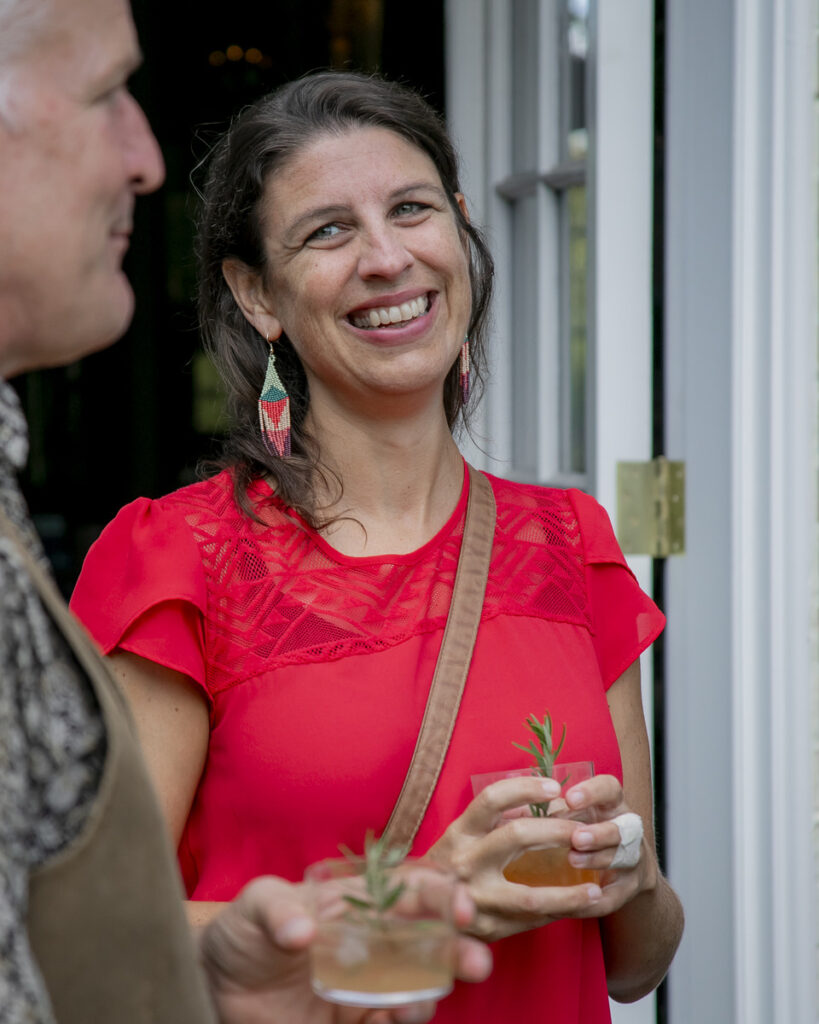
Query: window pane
x,y
524,85
576,45
575,330
525,397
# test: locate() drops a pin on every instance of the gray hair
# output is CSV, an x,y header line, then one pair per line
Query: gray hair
x,y
21,23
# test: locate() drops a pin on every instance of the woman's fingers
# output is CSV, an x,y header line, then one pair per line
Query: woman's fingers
x,y
489,835
509,908
599,840
517,835
471,843
601,795
618,887
527,903
480,861
616,843
487,809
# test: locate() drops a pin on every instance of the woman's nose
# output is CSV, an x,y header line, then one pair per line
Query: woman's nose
x,y
384,253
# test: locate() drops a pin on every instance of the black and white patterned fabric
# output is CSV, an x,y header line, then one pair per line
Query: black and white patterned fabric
x,y
52,741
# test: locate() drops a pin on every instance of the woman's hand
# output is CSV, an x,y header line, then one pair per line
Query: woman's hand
x,y
641,918
489,834
595,843
255,957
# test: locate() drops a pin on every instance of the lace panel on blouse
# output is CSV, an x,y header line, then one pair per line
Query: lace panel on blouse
x,y
277,596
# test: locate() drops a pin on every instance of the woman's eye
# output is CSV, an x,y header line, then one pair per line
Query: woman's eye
x,y
324,233
409,208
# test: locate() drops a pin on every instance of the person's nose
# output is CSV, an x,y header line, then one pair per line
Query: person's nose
x,y
144,158
384,252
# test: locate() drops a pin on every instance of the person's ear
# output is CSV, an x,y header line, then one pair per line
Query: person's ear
x,y
249,292
461,201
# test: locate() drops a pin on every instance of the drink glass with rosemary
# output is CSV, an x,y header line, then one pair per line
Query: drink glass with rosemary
x,y
385,930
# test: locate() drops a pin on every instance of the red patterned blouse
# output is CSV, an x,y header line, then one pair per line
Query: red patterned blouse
x,y
316,667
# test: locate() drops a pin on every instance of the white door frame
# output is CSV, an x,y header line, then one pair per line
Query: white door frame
x,y
622,186
741,408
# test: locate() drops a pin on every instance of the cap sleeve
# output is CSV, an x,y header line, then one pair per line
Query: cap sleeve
x,y
625,621
142,589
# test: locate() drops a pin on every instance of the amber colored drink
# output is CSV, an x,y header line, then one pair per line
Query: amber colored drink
x,y
547,867
402,963
398,954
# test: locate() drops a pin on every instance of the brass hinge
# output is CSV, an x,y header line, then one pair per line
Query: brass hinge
x,y
651,507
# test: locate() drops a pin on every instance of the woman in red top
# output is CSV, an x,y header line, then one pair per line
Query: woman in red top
x,y
276,627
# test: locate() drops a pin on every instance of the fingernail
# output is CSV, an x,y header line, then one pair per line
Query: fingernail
x,y
582,838
294,931
574,798
594,892
550,787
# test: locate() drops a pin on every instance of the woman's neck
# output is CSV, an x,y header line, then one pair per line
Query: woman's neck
x,y
401,481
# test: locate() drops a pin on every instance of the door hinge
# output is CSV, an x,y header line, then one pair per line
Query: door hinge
x,y
651,507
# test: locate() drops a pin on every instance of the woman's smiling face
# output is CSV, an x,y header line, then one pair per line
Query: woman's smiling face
x,y
367,272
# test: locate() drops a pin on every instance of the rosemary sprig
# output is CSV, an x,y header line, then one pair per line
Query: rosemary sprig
x,y
379,862
545,754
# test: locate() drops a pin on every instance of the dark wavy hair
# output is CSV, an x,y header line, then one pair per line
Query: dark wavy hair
x,y
260,141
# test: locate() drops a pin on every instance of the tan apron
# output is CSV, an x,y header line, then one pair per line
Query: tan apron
x,y
106,921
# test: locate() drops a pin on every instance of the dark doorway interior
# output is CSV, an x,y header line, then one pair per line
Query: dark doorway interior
x,y
136,419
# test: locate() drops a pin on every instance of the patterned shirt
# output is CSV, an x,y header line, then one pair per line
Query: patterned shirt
x,y
52,742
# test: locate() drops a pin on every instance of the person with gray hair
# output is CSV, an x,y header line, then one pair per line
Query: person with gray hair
x,y
91,924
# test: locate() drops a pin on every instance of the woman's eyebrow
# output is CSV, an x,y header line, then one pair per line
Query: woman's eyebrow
x,y
325,213
418,186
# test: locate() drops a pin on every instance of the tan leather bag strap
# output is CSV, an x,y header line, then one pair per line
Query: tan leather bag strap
x,y
453,663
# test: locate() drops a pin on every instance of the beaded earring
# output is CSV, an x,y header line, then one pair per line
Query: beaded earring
x,y
465,372
274,411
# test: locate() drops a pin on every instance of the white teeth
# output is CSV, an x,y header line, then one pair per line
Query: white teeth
x,y
393,314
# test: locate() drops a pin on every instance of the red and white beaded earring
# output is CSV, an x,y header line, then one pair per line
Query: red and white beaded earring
x,y
274,410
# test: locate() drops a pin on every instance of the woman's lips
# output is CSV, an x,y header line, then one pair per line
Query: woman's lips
x,y
405,321
399,314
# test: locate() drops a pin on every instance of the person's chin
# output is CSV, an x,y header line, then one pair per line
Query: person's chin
x,y
122,312
105,320
118,300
